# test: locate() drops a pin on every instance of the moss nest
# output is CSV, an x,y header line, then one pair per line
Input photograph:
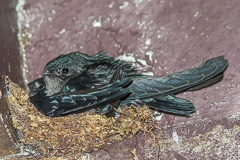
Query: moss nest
x,y
74,134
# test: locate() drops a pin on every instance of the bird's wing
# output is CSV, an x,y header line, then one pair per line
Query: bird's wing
x,y
208,73
73,102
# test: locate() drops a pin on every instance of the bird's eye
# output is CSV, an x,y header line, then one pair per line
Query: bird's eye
x,y
65,70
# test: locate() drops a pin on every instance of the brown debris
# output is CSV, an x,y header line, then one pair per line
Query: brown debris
x,y
134,154
73,134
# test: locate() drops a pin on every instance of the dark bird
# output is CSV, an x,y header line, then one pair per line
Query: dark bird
x,y
72,100
64,73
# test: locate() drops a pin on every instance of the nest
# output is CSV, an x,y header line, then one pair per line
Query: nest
x,y
74,134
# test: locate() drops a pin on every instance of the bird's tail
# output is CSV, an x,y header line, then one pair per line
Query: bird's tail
x,y
171,104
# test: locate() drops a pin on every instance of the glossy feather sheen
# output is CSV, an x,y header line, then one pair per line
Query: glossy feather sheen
x,y
179,81
65,103
102,82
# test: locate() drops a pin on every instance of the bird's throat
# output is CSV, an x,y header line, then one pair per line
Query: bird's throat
x,y
53,84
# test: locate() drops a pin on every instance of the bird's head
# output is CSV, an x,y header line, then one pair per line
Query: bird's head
x,y
60,70
64,67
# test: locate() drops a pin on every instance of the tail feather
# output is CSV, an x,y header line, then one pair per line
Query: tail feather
x,y
171,104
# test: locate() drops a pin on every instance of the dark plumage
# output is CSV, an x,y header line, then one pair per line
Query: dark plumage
x,y
76,72
71,99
